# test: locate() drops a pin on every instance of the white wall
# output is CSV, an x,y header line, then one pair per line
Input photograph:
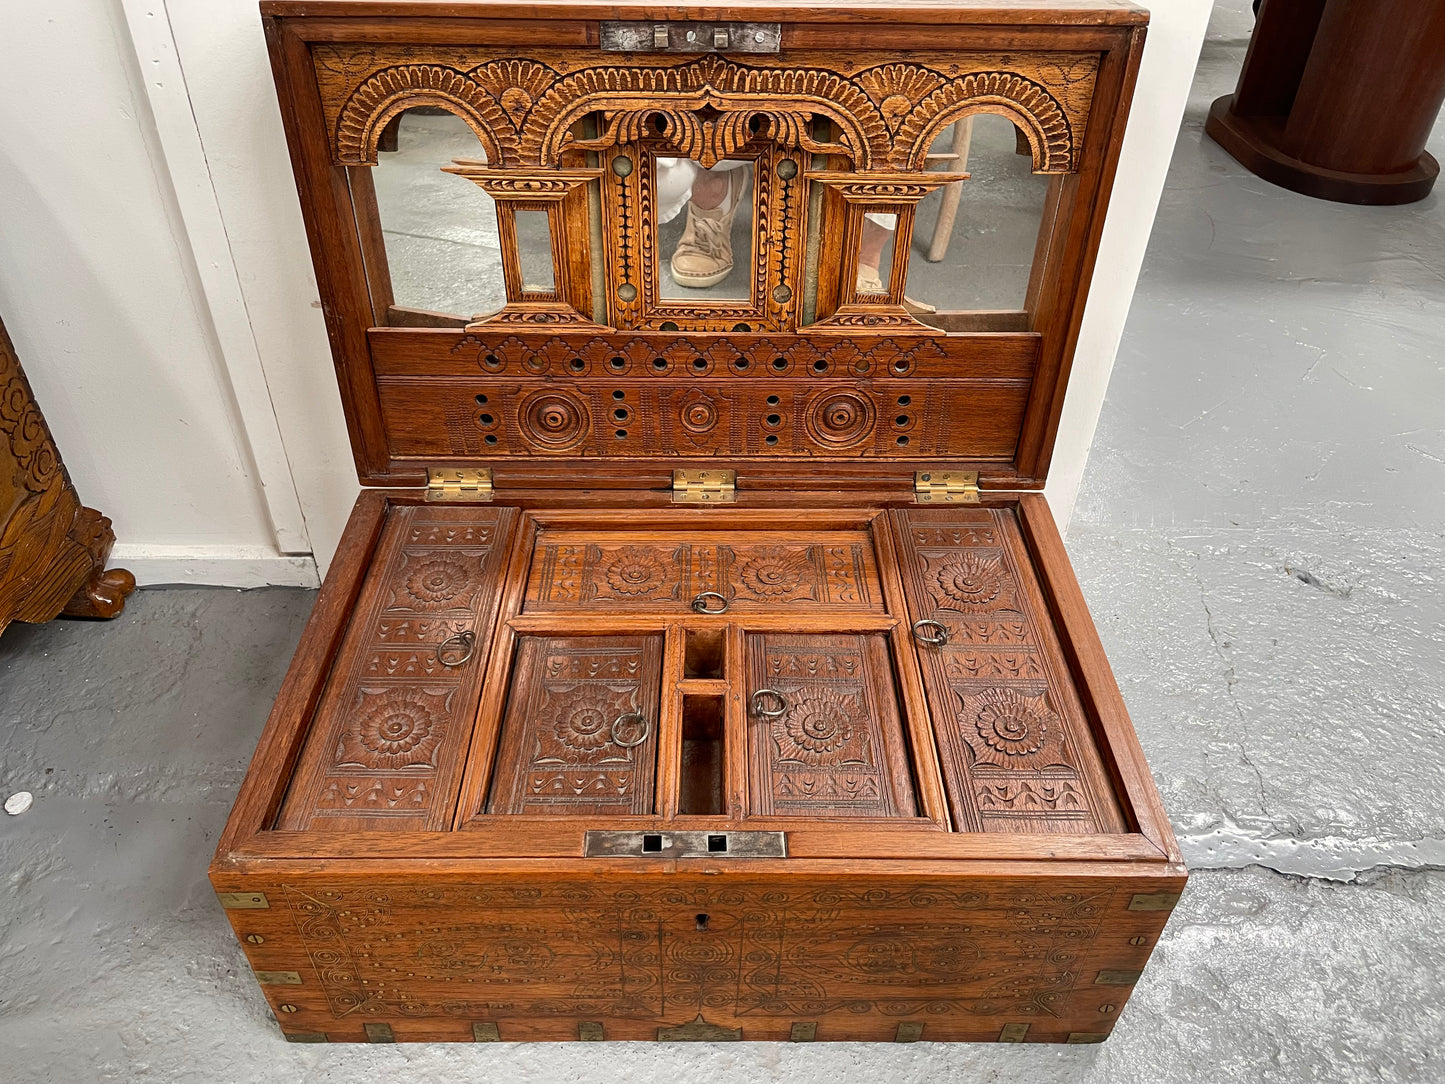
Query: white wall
x,y
99,292
155,277
1171,52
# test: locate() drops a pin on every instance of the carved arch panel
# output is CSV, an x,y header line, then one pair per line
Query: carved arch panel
x,y
525,110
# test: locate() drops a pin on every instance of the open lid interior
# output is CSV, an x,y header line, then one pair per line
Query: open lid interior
x,y
563,248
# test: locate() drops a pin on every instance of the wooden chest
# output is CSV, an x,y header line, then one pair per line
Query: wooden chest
x,y
701,661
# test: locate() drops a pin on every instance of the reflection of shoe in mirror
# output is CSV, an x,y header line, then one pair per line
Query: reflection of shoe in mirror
x,y
869,280
704,253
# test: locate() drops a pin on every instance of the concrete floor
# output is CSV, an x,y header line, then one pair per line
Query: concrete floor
x,y
1259,536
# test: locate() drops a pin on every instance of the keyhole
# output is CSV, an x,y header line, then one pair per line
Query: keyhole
x,y
702,922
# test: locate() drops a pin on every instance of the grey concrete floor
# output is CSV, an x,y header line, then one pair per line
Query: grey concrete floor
x,y
1260,538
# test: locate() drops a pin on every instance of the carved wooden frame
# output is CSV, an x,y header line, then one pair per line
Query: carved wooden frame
x,y
631,228
847,199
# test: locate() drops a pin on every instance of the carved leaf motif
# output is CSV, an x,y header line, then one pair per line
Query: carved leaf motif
x,y
1030,106
516,84
897,88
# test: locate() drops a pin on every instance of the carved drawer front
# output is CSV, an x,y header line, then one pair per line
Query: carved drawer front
x,y
667,571
1017,750
395,720
824,732
580,731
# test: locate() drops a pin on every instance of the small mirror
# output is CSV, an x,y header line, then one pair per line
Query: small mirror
x,y
705,230
439,230
974,241
534,251
875,253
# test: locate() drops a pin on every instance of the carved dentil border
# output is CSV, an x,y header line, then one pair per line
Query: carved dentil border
x,y
886,116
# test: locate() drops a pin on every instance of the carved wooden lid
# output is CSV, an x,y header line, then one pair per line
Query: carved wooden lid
x,y
570,249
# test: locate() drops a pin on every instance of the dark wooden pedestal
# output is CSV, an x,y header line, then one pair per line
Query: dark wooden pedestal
x,y
1337,98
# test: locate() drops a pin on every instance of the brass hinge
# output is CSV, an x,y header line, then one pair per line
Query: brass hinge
x,y
465,484
946,486
704,486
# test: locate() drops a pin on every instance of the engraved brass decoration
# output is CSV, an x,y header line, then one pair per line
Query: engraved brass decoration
x,y
243,901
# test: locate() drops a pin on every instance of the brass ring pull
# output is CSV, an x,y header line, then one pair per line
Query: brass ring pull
x,y
937,640
699,604
625,724
758,701
464,642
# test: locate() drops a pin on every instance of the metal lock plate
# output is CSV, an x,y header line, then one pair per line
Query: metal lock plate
x,y
686,37
603,844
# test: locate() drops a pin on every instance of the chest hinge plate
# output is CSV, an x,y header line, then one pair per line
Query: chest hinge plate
x,y
946,486
704,486
459,484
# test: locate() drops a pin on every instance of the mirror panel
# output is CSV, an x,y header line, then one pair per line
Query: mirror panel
x,y
704,230
974,241
439,230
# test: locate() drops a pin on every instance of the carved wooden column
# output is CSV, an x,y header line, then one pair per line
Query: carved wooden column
x,y
52,548
1337,98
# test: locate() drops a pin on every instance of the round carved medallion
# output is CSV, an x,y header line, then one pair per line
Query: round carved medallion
x,y
437,580
773,571
970,582
554,420
587,727
634,570
840,419
1012,724
396,729
819,724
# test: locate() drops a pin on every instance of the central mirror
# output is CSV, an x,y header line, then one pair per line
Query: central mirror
x,y
704,230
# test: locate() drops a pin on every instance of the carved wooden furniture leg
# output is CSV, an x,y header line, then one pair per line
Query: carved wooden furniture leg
x,y
105,592
948,208
52,549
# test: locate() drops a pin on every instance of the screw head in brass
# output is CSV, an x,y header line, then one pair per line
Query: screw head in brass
x,y
288,1007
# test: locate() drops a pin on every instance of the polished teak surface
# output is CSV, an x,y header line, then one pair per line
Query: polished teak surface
x,y
836,757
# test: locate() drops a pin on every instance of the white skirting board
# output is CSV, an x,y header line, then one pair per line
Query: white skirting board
x,y
221,566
